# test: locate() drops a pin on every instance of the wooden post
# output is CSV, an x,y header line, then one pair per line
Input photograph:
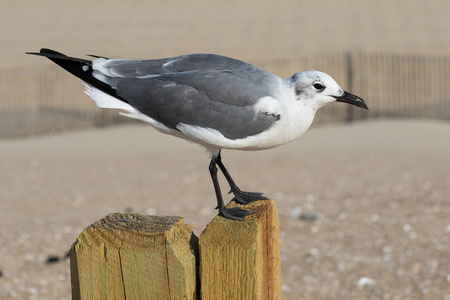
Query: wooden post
x,y
131,256
241,259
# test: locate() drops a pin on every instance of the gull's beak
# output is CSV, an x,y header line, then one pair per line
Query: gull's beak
x,y
351,99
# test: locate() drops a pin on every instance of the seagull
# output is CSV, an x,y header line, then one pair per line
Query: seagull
x,y
212,100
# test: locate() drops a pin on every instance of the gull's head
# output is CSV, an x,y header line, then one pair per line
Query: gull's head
x,y
315,89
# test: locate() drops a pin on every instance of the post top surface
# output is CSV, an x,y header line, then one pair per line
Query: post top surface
x,y
136,222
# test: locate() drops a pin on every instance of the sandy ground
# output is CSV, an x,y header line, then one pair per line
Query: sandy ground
x,y
364,208
247,29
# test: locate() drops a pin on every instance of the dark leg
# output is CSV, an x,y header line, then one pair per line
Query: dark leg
x,y
240,196
235,213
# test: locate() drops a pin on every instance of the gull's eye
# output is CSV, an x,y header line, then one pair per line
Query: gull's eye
x,y
318,86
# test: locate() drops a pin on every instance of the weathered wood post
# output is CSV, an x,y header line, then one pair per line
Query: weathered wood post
x,y
131,256
241,260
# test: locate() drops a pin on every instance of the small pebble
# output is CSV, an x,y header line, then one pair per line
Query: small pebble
x,y
152,211
386,249
61,277
314,251
52,259
412,235
295,212
285,287
309,217
374,217
363,281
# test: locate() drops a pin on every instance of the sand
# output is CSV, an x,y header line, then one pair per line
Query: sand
x,y
364,208
248,30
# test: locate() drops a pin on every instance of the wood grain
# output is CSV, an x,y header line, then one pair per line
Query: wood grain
x,y
241,259
131,256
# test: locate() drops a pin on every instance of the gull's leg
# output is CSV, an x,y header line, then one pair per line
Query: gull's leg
x,y
240,196
235,213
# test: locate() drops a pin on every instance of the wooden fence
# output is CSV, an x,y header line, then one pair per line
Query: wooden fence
x,y
47,100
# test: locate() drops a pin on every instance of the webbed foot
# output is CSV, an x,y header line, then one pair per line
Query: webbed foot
x,y
247,197
235,213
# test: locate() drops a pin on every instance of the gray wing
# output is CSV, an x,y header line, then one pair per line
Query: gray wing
x,y
201,89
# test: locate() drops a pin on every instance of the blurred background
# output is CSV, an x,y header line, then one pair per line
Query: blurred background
x,y
363,196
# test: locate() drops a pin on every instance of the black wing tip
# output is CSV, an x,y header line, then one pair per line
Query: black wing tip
x,y
46,52
50,51
76,66
58,56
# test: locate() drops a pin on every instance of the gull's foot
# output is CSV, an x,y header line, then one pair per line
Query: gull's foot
x,y
247,197
235,213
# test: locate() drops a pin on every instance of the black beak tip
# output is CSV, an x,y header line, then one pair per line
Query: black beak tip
x,y
352,99
364,105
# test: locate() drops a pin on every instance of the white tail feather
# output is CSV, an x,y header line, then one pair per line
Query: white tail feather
x,y
104,100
